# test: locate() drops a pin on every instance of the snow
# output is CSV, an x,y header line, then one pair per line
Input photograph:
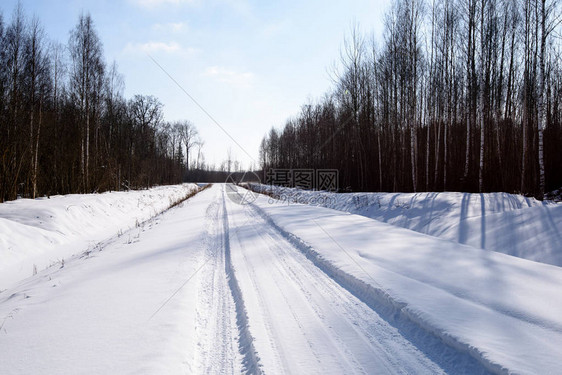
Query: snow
x,y
95,315
213,286
507,223
41,232
301,319
504,311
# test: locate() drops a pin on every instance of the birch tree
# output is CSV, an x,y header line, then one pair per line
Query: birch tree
x,y
548,20
86,53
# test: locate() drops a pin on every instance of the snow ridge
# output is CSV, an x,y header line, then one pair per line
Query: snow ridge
x,y
508,223
445,350
37,233
246,341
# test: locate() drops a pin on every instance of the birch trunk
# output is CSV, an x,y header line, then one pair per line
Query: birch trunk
x,y
541,99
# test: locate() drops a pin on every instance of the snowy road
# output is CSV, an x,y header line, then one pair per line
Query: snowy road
x,y
302,320
213,287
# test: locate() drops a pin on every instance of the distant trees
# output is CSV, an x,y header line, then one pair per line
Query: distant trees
x,y
188,135
65,126
461,95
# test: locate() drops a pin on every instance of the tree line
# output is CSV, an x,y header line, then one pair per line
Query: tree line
x,y
461,95
65,126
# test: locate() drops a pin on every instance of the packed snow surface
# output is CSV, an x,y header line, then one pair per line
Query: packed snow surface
x,y
507,223
214,286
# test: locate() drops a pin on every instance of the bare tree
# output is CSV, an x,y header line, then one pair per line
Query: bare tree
x,y
548,20
199,144
470,80
87,66
15,152
37,73
146,111
483,5
188,135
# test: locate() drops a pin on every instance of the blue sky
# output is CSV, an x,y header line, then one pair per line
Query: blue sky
x,y
250,64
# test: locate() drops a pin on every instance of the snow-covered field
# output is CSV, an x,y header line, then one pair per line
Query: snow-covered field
x,y
507,223
212,286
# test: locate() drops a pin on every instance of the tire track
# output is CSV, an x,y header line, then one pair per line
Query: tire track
x,y
303,320
216,329
246,341
451,356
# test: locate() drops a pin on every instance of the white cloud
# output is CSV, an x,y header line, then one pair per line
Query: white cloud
x,y
157,3
171,27
222,74
153,47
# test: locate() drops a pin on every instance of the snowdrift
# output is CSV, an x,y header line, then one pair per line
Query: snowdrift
x,y
36,233
507,223
504,311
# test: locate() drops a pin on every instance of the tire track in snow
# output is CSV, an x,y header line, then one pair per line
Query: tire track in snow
x,y
279,354
451,355
245,341
361,326
304,321
329,334
282,362
217,333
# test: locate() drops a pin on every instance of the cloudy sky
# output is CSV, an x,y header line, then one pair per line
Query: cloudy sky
x,y
250,64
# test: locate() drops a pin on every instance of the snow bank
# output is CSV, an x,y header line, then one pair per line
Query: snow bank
x,y
504,311
35,234
507,223
112,312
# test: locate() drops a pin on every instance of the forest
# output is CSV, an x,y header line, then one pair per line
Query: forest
x,y
65,126
460,95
